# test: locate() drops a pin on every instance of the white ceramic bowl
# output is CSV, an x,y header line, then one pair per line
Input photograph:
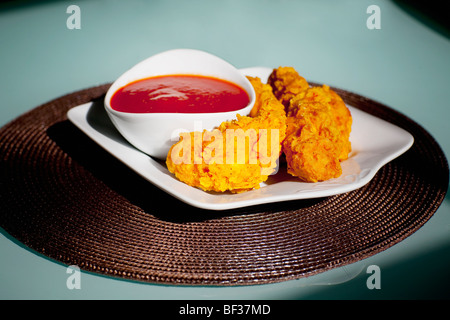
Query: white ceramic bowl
x,y
155,133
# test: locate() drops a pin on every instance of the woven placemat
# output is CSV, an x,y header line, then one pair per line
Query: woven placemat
x,y
65,197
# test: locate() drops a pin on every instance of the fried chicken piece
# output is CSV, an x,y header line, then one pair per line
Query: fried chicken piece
x,y
309,148
339,124
318,132
286,84
237,156
318,126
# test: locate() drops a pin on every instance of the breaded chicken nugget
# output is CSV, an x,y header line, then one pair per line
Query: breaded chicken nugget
x,y
310,146
318,126
310,157
317,135
339,120
239,155
286,84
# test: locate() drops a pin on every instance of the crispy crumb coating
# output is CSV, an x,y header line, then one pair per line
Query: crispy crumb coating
x,y
286,84
237,156
336,125
318,127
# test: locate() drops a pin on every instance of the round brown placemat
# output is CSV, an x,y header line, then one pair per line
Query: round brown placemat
x,y
68,199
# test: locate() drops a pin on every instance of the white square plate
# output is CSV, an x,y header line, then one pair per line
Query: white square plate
x,y
375,142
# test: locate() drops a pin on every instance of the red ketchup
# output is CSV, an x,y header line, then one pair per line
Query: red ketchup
x,y
180,94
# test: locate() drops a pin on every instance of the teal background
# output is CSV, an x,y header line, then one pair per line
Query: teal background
x,y
404,65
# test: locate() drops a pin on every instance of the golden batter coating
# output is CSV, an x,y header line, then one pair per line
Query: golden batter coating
x,y
286,84
237,156
318,127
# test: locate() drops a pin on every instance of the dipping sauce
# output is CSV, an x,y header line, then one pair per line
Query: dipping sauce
x,y
180,94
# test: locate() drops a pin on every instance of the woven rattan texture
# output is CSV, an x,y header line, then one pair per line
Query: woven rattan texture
x,y
66,198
